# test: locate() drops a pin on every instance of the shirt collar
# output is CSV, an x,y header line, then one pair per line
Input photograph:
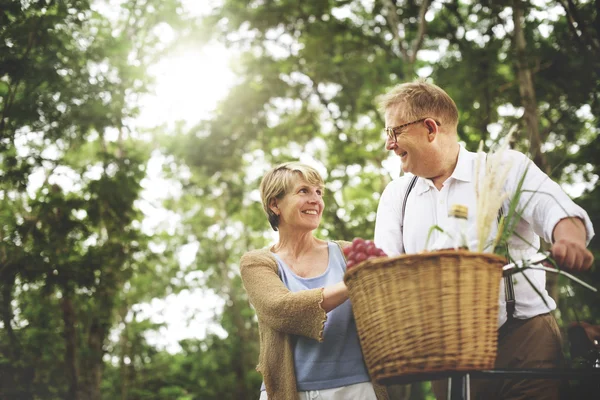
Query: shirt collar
x,y
423,185
464,166
462,172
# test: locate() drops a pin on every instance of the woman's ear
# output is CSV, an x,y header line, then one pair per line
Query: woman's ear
x,y
273,206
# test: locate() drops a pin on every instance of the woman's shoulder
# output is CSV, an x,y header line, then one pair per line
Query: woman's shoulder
x,y
259,256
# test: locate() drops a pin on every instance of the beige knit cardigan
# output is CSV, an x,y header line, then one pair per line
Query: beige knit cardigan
x,y
281,314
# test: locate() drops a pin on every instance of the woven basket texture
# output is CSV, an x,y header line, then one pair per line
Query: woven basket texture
x,y
423,313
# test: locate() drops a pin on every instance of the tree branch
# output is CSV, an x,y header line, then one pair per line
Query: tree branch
x,y
336,121
597,21
392,21
12,92
337,221
416,44
585,39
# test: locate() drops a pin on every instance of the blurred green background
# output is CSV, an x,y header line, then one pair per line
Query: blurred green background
x,y
128,190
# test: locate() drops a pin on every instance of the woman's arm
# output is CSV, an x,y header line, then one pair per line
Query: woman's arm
x,y
298,313
334,295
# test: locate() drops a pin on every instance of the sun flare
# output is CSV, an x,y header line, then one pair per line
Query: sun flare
x,y
188,87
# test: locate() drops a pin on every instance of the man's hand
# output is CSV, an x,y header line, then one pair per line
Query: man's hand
x,y
572,255
569,248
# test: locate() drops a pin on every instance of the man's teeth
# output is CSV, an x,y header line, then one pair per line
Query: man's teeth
x,y
312,212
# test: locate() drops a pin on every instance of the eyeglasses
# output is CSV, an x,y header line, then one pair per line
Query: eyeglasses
x,y
393,132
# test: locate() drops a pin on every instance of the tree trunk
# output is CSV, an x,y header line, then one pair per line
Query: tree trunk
x,y
93,365
123,367
527,90
241,363
529,102
91,376
7,286
15,379
70,335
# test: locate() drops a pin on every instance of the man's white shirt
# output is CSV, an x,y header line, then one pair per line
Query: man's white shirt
x,y
543,205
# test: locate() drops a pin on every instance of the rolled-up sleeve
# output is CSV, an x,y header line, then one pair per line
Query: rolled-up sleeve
x,y
543,203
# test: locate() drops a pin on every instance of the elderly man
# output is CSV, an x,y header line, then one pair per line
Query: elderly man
x,y
421,124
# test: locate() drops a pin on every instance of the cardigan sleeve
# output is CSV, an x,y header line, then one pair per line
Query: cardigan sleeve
x,y
297,313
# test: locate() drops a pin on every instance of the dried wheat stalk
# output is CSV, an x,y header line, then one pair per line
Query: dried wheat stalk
x,y
489,189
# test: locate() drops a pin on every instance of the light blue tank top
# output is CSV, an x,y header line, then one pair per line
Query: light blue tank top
x,y
337,361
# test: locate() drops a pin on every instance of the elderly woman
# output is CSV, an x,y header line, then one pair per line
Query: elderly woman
x,y
309,346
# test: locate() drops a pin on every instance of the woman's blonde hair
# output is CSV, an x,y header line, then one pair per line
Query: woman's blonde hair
x,y
279,181
420,99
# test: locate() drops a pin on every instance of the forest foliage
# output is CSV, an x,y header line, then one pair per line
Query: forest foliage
x,y
75,263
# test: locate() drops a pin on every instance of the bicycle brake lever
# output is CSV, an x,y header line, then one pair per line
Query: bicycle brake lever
x,y
522,265
535,259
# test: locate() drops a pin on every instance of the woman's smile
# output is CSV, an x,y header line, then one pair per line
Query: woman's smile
x,y
310,212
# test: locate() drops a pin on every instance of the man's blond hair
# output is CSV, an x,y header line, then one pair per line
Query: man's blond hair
x,y
279,181
420,99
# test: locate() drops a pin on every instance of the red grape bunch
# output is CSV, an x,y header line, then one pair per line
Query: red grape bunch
x,y
361,250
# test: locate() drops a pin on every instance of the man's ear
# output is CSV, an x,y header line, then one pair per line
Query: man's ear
x,y
432,128
431,125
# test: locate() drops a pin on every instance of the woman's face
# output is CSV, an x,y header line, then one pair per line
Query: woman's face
x,y
302,207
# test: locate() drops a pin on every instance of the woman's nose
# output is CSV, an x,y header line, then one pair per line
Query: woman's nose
x,y
315,198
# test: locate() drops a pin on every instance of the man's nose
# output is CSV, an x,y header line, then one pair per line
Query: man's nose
x,y
390,144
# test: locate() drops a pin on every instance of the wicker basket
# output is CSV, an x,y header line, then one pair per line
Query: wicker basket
x,y
425,313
